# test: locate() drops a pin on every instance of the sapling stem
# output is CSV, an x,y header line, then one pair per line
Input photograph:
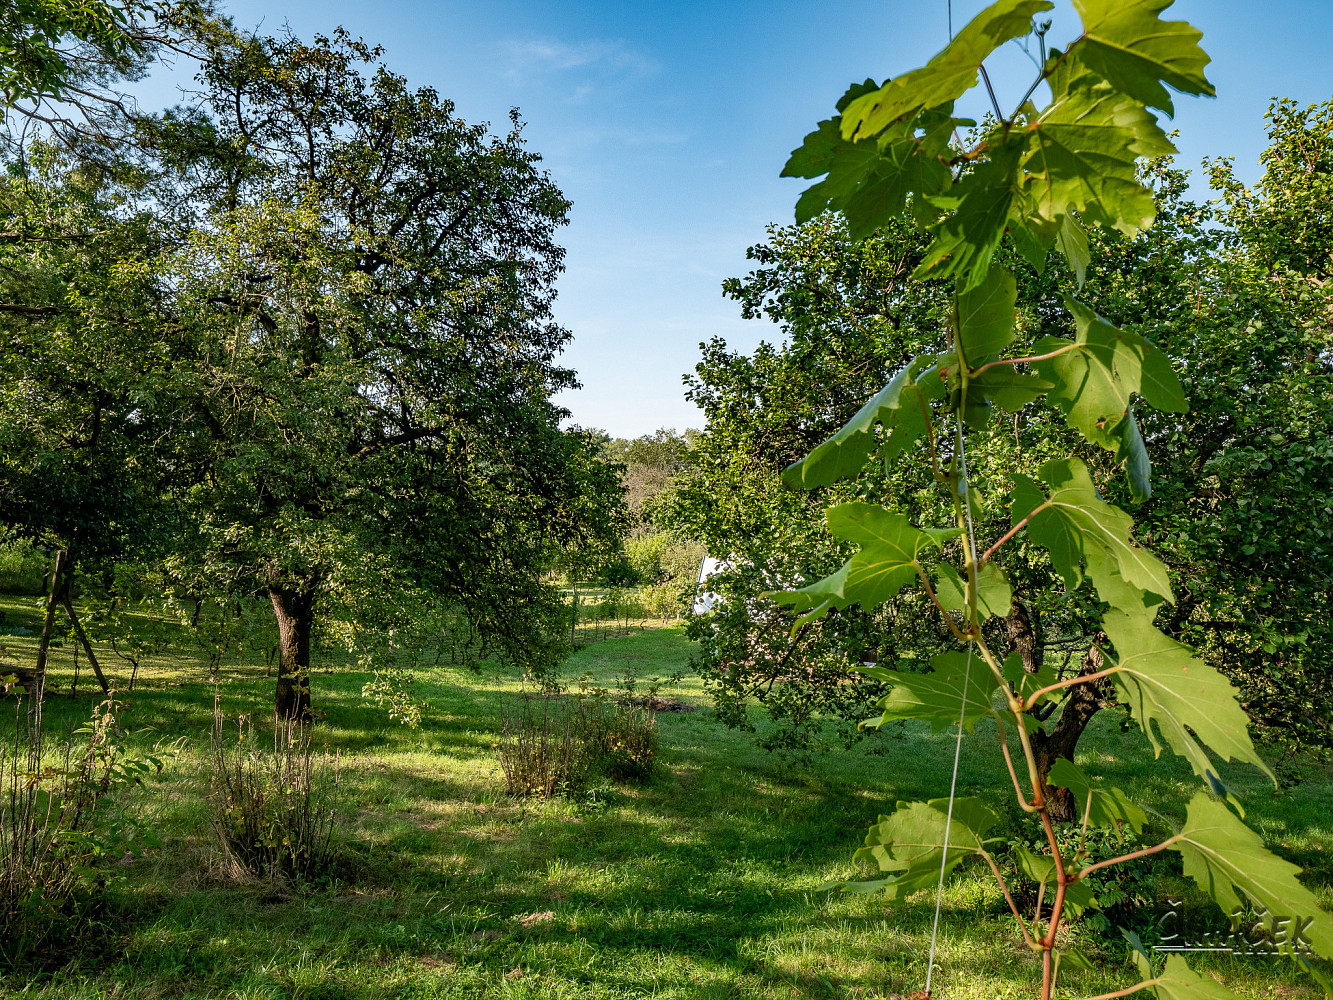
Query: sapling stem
x,y
1036,695
1126,992
1061,878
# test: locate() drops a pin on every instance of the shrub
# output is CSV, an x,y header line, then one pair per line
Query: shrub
x,y
56,821
657,557
542,751
273,810
644,554
557,747
619,572
623,741
667,600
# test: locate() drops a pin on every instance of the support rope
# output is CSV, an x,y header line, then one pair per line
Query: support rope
x,y
962,711
967,675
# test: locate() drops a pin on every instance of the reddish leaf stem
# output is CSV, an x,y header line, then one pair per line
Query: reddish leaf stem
x,y
930,592
1010,534
930,437
1127,991
1085,872
1031,699
1004,888
1024,361
1009,763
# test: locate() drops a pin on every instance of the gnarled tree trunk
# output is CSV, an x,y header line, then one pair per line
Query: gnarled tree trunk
x,y
1081,703
295,611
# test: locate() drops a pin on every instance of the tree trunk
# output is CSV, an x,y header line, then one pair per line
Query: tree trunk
x,y
48,625
1082,703
1025,637
295,611
83,638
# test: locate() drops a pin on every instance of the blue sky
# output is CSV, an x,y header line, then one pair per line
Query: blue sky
x,y
667,125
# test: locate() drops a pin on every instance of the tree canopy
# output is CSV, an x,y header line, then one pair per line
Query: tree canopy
x,y
1240,482
331,320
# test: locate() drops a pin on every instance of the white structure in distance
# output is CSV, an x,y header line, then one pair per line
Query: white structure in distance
x,y
705,599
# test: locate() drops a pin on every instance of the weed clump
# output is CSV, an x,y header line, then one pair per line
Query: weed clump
x,y
273,809
552,744
58,820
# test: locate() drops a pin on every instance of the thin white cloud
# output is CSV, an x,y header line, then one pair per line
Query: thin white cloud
x,y
533,58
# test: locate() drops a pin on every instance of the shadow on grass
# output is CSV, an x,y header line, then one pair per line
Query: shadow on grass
x,y
703,883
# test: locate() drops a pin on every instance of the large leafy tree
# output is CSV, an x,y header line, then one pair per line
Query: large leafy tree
x,y
81,371
1039,175
65,65
1259,525
79,356
362,320
1240,484
850,314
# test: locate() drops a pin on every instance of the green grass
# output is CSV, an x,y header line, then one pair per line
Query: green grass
x,y
704,883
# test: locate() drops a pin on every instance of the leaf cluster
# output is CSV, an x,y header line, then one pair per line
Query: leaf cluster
x,y
1040,175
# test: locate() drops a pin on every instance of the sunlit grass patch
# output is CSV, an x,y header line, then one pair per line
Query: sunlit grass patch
x,y
703,883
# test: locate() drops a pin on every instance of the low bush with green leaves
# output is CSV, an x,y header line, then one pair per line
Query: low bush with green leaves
x,y
541,750
63,810
553,744
624,742
273,809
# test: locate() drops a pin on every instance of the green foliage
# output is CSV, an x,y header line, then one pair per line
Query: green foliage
x,y
1239,515
271,366
273,810
388,689
931,696
1106,808
59,820
899,408
1083,533
1229,862
556,744
23,569
1038,173
34,59
81,362
849,320
659,557
911,842
886,562
620,868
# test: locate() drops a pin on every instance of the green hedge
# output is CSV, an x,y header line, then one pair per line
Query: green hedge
x,y
22,569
